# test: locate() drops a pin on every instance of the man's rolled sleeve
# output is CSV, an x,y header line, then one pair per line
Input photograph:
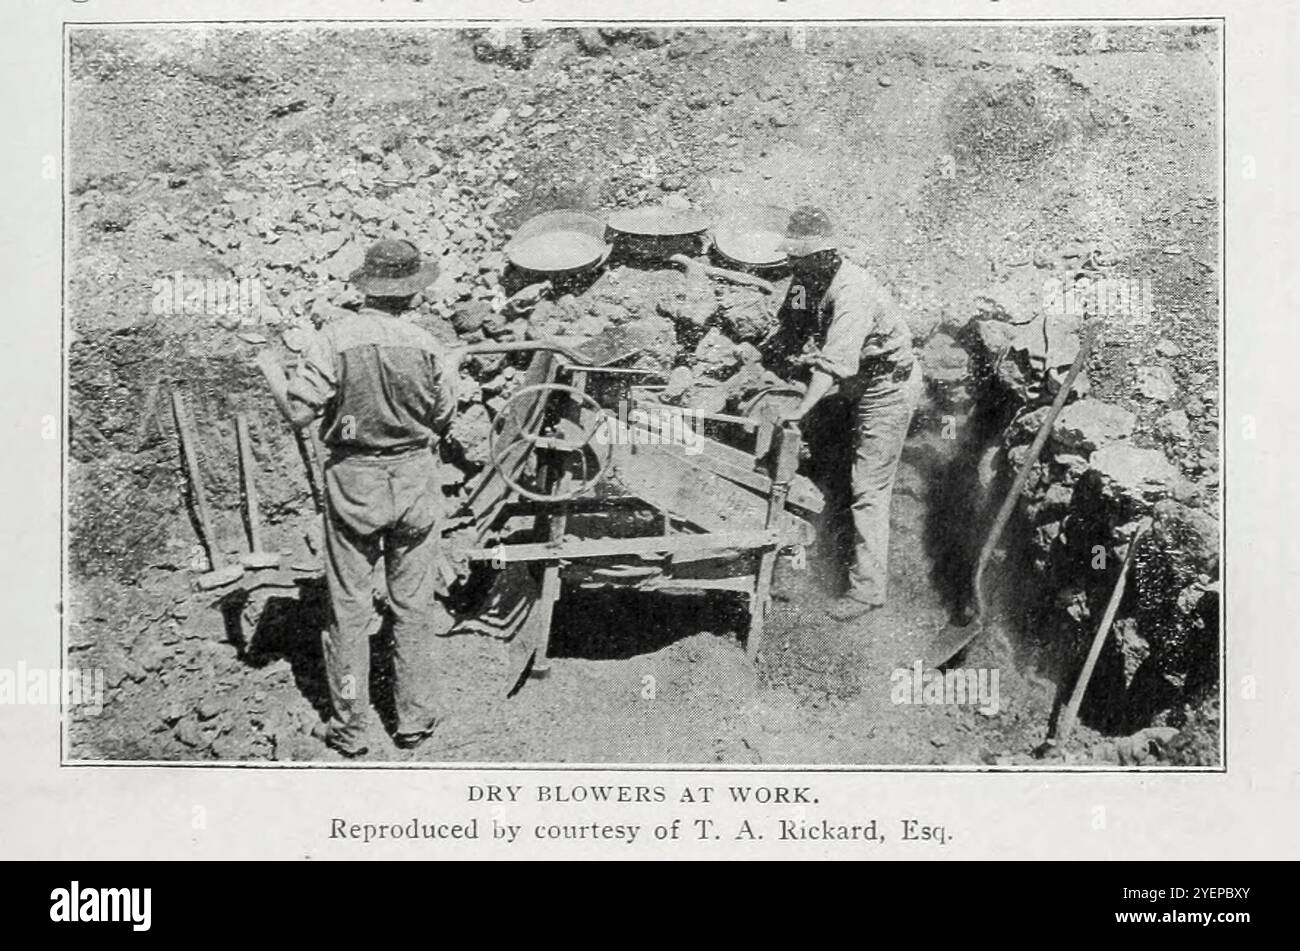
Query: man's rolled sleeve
x,y
315,381
853,320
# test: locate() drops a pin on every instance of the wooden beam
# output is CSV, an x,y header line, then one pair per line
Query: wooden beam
x,y
610,547
802,494
194,475
252,511
742,584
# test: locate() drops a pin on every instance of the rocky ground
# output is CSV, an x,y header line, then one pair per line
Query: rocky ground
x,y
968,168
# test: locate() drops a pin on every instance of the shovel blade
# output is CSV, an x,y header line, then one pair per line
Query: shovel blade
x,y
950,642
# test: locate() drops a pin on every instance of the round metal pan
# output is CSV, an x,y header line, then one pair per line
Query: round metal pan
x,y
756,248
558,242
751,238
656,221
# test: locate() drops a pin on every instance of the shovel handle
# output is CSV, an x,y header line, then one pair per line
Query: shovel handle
x,y
722,274
1065,725
1090,334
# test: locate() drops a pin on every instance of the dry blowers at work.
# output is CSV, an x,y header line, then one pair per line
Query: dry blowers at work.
x,y
382,390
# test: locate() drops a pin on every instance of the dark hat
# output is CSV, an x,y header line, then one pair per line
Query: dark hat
x,y
809,231
393,269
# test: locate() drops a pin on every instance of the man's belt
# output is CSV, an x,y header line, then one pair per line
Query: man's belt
x,y
886,371
389,452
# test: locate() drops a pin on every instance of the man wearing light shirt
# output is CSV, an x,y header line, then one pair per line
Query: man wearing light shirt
x,y
384,391
861,348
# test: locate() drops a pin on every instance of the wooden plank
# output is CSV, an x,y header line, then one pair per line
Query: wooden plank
x,y
539,619
690,493
758,602
802,494
787,444
188,440
709,447
537,627
664,409
252,511
739,585
647,545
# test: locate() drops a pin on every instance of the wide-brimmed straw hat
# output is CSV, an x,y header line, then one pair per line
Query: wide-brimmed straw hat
x,y
808,231
393,268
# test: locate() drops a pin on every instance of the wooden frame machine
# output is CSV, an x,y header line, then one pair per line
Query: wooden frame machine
x,y
640,495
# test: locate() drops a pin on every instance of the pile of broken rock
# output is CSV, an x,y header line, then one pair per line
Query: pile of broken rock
x,y
1095,483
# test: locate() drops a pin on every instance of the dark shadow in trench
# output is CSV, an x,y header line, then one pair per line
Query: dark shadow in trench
x,y
958,509
608,624
1119,704
828,436
955,506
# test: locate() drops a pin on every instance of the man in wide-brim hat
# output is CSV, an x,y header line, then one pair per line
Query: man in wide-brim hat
x,y
393,269
858,344
384,391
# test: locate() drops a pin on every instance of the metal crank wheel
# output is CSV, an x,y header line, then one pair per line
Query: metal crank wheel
x,y
559,432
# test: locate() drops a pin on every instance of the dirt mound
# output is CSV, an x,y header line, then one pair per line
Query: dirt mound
x,y
1019,119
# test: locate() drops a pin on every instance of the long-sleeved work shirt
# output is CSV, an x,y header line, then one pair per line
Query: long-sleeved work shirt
x,y
863,332
380,383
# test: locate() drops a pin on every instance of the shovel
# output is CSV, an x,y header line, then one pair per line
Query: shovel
x,y
955,638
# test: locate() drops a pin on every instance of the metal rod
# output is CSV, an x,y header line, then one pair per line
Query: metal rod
x,y
722,274
1065,725
521,346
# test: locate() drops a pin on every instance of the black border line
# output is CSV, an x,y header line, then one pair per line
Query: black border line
x,y
773,769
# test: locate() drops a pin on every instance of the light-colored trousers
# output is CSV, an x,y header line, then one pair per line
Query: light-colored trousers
x,y
882,414
382,507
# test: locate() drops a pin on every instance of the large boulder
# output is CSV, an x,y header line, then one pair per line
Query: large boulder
x,y
944,361
1031,360
715,353
1001,304
656,338
1156,383
947,369
747,314
992,337
1187,535
1124,473
1087,425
